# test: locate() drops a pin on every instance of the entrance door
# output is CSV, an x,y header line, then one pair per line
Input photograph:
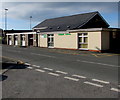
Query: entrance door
x,y
30,39
23,43
10,40
23,40
16,40
50,40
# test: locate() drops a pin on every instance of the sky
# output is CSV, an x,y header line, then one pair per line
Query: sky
x,y
18,15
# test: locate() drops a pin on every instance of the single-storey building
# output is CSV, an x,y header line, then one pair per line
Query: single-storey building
x,y
87,31
21,38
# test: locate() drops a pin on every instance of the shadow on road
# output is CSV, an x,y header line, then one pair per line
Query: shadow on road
x,y
3,77
7,66
13,66
113,51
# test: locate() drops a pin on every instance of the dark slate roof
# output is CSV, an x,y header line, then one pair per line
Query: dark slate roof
x,y
67,22
17,31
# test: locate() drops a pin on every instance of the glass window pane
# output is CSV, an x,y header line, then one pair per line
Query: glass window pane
x,y
80,34
48,39
83,45
85,34
52,39
85,39
80,39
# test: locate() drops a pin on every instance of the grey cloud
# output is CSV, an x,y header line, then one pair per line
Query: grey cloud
x,y
45,10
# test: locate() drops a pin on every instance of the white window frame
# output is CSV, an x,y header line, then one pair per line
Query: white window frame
x,y
51,36
82,36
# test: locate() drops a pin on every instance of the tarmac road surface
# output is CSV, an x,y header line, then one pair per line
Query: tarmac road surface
x,y
50,74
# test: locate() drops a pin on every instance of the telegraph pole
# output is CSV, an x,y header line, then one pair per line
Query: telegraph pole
x,y
30,21
6,18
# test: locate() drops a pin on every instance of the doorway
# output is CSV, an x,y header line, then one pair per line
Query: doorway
x,y
22,40
10,40
15,40
30,39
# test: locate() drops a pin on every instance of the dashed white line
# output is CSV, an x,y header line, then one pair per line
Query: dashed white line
x,y
98,63
27,64
79,76
101,81
30,67
61,72
48,69
36,66
54,74
93,84
114,89
70,78
42,55
39,70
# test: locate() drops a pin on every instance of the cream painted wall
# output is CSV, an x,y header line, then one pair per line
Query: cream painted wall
x,y
7,40
105,40
38,40
42,41
94,40
65,41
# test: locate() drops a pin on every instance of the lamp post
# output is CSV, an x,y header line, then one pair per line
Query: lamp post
x,y
30,21
6,18
4,35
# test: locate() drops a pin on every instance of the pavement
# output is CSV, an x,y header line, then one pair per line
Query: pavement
x,y
52,73
8,63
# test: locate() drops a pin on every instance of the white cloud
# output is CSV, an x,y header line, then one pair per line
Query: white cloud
x,y
44,10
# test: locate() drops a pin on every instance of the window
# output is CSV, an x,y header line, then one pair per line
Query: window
x,y
83,40
50,40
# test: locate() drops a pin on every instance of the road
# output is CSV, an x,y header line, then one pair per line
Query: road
x,y
49,74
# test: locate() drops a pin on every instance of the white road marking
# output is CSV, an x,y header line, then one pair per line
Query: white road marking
x,y
54,74
48,68
98,63
79,76
93,84
27,64
101,81
42,55
30,67
70,78
61,72
114,89
36,66
39,70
